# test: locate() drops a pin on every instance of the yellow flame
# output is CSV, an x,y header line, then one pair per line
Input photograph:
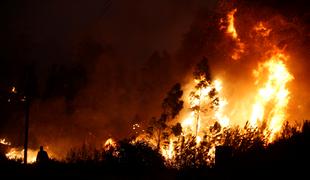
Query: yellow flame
x,y
18,154
168,152
272,99
231,24
265,110
196,122
109,143
13,90
4,141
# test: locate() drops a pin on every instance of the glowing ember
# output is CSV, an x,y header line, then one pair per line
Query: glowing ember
x,y
109,143
13,90
262,29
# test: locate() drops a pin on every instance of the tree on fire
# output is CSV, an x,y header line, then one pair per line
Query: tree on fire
x,y
202,74
171,106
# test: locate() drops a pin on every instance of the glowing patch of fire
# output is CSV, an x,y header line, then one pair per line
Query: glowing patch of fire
x,y
5,142
17,154
274,92
231,31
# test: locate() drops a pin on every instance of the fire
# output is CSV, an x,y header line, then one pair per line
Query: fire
x,y
231,24
273,93
206,104
231,30
206,116
18,154
203,114
4,141
109,143
168,152
262,29
13,90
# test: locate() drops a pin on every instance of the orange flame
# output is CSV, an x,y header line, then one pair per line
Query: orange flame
x,y
18,154
231,31
4,141
273,93
267,109
231,24
109,143
261,29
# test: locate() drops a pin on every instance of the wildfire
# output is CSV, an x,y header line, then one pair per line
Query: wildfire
x,y
4,141
203,114
231,24
18,154
231,31
109,143
207,105
262,29
273,93
168,152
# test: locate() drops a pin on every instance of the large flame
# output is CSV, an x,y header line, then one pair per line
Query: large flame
x,y
205,106
273,94
266,108
18,154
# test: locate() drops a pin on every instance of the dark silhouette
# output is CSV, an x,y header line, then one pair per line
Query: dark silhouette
x,y
240,157
171,106
42,157
223,156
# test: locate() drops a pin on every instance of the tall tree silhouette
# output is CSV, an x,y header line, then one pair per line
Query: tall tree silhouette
x,y
171,105
202,76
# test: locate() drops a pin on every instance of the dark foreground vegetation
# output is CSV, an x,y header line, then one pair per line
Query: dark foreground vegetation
x,y
287,157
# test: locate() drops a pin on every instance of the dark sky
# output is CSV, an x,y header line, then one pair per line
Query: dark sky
x,y
100,65
96,64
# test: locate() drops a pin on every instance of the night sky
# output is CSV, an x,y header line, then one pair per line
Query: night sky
x,y
99,66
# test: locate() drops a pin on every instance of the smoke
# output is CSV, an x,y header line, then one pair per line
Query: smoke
x,y
289,32
103,66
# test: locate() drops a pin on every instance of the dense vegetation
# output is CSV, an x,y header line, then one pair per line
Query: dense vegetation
x,y
288,155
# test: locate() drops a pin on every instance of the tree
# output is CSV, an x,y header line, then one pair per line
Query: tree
x,y
202,71
171,105
202,76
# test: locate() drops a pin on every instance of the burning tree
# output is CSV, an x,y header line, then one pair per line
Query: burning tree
x,y
171,106
207,125
204,96
191,138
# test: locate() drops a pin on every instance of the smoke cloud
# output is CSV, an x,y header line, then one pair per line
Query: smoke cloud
x,y
102,66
